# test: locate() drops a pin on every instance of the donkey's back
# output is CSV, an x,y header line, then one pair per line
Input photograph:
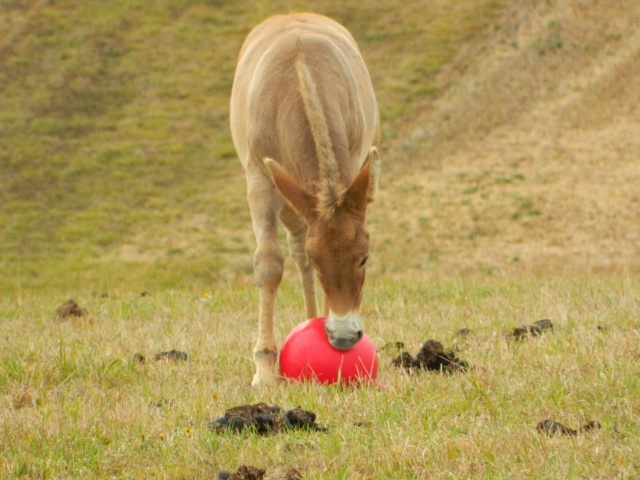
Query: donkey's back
x,y
268,118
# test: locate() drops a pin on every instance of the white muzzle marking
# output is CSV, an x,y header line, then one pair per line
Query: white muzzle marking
x,y
344,332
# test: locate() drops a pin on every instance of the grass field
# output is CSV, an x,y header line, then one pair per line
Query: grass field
x,y
509,194
76,404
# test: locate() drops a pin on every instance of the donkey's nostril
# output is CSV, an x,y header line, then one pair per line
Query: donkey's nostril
x,y
359,333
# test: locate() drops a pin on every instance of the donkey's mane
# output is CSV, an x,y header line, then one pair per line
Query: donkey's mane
x,y
328,175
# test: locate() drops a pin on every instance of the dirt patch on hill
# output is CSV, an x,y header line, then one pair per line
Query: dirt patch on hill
x,y
529,161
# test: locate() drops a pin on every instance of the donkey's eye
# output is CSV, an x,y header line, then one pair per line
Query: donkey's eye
x,y
364,261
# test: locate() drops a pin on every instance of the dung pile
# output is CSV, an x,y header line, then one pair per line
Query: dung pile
x,y
247,472
264,419
551,427
534,330
69,309
431,356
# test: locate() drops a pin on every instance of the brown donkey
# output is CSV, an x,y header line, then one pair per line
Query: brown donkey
x,y
305,124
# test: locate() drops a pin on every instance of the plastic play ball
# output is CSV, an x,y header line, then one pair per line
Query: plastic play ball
x,y
307,355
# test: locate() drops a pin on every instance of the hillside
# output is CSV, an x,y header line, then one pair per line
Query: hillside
x,y
510,139
117,168
529,161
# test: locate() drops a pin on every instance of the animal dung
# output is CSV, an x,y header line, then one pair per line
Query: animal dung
x,y
431,356
175,355
533,330
164,403
463,332
23,399
247,472
551,427
244,472
264,419
70,308
300,419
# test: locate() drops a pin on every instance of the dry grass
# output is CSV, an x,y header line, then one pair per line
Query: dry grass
x,y
76,404
528,162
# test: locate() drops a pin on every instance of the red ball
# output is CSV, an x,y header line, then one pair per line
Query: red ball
x,y
307,355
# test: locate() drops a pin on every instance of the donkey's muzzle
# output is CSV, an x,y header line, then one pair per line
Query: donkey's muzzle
x,y
344,333
346,343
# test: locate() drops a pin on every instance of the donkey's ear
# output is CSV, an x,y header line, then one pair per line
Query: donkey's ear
x,y
363,189
295,195
374,174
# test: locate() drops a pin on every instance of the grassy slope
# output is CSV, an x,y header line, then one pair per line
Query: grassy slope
x,y
117,168
536,148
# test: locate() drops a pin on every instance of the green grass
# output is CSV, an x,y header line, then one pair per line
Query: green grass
x,y
91,403
117,165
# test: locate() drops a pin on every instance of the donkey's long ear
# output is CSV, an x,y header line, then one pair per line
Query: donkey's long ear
x,y
295,195
363,189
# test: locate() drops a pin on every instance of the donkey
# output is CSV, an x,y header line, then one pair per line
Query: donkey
x,y
305,125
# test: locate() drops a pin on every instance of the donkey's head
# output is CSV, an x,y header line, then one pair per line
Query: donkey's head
x,y
337,242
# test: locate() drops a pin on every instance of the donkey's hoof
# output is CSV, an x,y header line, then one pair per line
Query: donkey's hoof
x,y
264,379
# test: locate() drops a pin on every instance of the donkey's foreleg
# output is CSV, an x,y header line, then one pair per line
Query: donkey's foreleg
x,y
296,237
268,264
268,267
